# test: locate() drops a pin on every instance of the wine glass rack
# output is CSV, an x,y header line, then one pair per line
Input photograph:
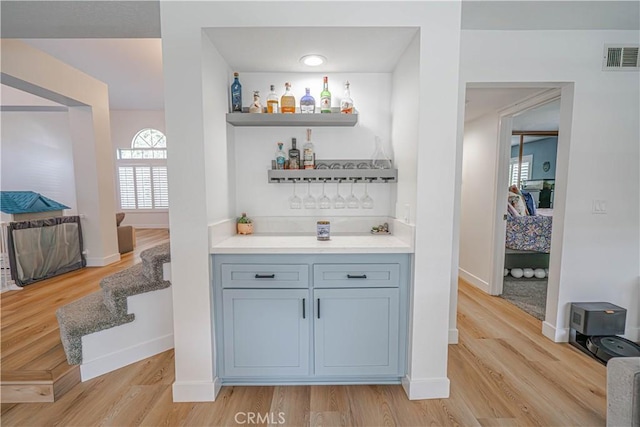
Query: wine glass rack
x,y
335,171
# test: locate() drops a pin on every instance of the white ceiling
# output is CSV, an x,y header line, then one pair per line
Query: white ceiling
x,y
270,49
132,68
481,101
117,41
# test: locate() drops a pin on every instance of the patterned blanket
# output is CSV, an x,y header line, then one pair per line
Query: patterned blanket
x,y
529,233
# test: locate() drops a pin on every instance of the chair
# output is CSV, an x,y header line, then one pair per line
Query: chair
x,y
126,235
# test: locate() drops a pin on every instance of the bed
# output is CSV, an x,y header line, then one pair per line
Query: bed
x,y
530,233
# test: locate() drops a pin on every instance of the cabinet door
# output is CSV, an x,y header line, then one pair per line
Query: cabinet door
x,y
356,331
266,332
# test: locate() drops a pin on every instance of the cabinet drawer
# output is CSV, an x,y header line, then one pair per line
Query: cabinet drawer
x,y
265,275
356,275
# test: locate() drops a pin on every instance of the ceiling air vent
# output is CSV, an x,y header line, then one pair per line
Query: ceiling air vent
x,y
621,58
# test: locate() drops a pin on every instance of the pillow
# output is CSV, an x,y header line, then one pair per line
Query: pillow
x,y
119,218
517,202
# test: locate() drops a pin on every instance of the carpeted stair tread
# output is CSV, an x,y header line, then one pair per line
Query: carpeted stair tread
x,y
108,308
83,317
153,259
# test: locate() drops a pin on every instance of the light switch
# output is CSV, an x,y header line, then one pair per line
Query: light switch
x,y
599,207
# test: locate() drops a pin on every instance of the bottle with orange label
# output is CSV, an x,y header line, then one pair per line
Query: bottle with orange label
x,y
287,101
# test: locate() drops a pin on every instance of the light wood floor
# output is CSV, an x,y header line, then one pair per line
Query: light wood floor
x,y
503,373
30,343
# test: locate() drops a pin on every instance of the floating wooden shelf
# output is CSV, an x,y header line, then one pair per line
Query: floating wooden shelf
x,y
306,120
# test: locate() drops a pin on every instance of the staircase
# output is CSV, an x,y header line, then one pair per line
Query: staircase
x,y
130,319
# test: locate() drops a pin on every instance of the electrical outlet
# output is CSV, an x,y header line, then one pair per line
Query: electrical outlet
x,y
599,207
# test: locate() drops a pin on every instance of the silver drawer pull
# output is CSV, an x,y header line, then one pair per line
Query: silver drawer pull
x,y
265,276
354,276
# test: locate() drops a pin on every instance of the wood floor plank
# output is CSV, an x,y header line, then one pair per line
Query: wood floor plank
x,y
502,373
293,403
30,336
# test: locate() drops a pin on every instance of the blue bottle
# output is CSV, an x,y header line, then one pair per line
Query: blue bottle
x,y
307,103
236,95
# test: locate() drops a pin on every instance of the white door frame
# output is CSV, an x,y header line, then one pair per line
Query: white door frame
x,y
502,180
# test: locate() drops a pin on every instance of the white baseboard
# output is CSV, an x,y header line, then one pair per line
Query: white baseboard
x,y
127,356
101,262
474,280
453,336
432,388
196,391
555,334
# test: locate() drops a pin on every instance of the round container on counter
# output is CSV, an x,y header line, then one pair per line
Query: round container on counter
x,y
324,230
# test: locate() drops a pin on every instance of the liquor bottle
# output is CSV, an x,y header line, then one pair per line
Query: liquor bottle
x,y
256,107
288,101
272,101
307,103
346,104
294,155
236,95
281,157
308,153
325,97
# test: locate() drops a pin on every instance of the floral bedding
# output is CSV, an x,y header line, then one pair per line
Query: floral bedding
x,y
529,233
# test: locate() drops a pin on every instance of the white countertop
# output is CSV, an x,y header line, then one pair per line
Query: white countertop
x,y
308,244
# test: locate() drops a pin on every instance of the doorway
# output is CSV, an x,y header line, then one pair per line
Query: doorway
x,y
490,113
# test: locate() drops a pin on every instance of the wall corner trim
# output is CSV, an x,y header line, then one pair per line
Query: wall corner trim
x,y
428,388
101,262
196,391
555,334
474,280
453,336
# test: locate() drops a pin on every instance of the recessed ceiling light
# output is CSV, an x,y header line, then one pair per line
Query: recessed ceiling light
x,y
313,60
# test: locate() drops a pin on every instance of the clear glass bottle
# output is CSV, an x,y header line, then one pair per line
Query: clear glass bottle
x,y
325,97
294,155
256,106
307,103
272,101
281,157
346,103
288,101
308,153
236,95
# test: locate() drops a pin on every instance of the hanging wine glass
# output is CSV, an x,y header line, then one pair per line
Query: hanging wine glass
x,y
352,200
366,201
325,201
309,201
339,202
295,202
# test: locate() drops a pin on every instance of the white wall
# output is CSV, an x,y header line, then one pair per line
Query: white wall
x,y
196,99
598,259
125,124
255,147
406,107
479,168
30,70
37,155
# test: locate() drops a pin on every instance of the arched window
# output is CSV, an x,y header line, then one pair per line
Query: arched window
x,y
142,171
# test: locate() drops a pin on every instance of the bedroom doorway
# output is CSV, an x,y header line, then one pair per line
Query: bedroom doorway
x,y
490,165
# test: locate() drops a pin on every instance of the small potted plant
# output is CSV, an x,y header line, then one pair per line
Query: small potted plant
x,y
245,225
